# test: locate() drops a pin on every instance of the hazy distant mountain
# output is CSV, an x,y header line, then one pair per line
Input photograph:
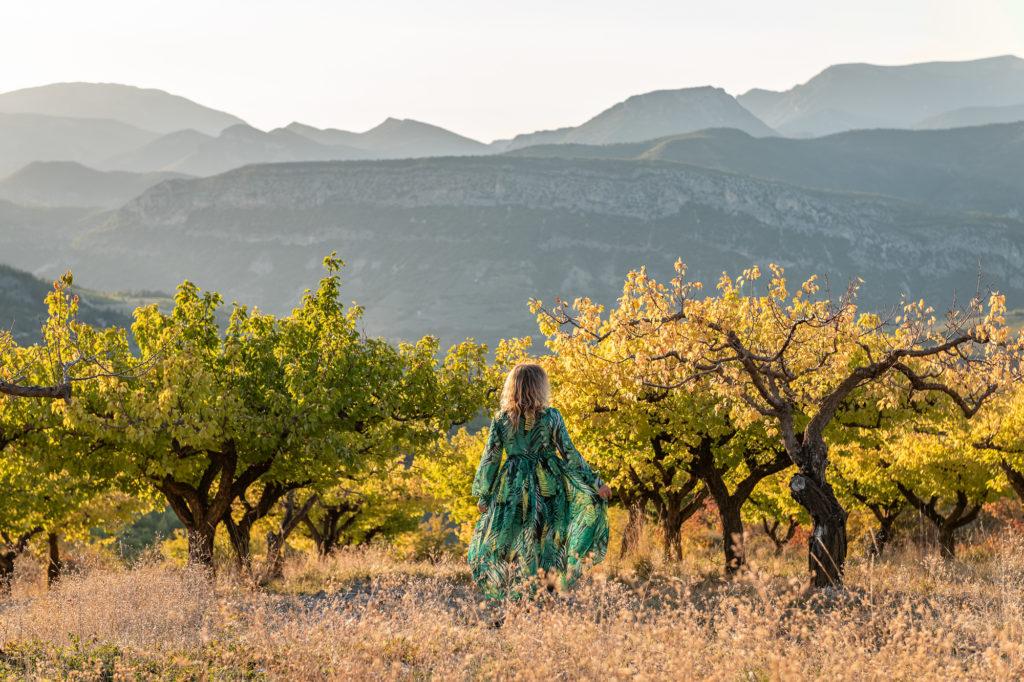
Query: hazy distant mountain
x,y
194,153
397,139
66,183
23,311
145,108
38,238
25,138
457,246
328,136
849,96
169,151
965,169
973,116
655,114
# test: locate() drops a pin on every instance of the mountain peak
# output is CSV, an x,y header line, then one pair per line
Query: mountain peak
x,y
655,114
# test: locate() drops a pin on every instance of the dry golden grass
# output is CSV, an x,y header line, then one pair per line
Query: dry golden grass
x,y
364,615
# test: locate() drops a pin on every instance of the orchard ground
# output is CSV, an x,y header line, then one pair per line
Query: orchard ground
x,y
366,614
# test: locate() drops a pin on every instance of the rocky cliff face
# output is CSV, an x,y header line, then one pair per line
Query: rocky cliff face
x,y
457,246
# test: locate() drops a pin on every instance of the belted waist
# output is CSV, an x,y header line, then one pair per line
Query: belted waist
x,y
534,456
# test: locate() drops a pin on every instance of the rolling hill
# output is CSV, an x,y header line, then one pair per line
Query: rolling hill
x,y
973,116
66,183
23,310
25,138
146,108
405,138
395,139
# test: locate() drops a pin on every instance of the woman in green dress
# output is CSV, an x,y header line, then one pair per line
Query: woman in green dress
x,y
543,510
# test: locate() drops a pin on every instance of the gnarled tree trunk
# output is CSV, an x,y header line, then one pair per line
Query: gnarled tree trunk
x,y
730,504
674,509
947,525
635,522
293,516
53,565
10,550
204,506
240,532
827,547
327,533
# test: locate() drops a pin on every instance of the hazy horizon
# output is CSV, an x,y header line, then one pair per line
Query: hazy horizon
x,y
484,72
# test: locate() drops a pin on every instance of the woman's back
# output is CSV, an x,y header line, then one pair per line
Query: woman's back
x,y
542,507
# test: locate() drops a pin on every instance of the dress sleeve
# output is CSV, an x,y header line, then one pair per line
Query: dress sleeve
x,y
483,483
569,452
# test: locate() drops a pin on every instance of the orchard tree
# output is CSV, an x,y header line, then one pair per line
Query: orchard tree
x,y
669,448
915,453
47,489
861,465
998,436
233,423
448,476
942,477
793,359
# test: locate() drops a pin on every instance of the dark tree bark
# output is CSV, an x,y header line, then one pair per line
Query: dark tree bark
x,y
1016,478
961,515
635,522
60,391
10,550
886,515
293,516
203,507
53,565
327,530
673,507
240,531
674,512
826,558
780,540
730,504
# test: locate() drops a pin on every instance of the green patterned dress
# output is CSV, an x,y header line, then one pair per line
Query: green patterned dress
x,y
544,516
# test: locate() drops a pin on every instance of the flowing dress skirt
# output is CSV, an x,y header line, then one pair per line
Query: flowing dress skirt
x,y
544,524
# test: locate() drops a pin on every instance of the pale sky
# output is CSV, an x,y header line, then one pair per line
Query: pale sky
x,y
481,68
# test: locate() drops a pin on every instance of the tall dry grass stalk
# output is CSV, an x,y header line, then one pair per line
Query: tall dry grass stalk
x,y
364,615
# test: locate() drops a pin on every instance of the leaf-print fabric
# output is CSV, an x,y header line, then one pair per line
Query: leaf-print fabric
x,y
544,516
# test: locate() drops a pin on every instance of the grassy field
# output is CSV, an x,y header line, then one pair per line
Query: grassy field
x,y
364,615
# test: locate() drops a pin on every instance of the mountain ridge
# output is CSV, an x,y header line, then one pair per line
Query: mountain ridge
x,y
69,183
457,246
861,95
965,169
650,115
150,109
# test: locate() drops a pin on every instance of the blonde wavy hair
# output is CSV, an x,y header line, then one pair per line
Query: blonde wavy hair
x,y
526,393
